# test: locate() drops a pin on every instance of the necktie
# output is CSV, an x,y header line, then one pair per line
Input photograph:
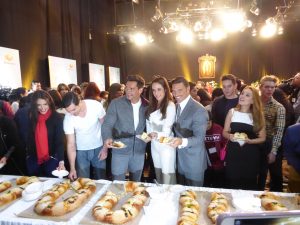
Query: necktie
x,y
178,111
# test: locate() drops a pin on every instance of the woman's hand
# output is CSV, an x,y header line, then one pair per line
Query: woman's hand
x,y
3,160
61,166
231,137
153,135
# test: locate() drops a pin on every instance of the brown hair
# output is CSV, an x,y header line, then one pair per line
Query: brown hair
x,y
182,80
256,109
34,113
153,103
138,79
271,78
228,77
62,86
92,91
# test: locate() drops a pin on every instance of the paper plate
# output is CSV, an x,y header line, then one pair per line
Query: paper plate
x,y
247,203
1,165
144,140
60,173
155,192
32,191
177,188
34,187
32,196
124,146
240,141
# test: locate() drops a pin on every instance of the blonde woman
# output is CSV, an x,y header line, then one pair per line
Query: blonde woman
x,y
245,129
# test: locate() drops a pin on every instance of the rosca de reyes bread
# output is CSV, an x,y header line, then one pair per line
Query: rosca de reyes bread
x,y
271,202
103,209
11,194
217,205
189,208
48,205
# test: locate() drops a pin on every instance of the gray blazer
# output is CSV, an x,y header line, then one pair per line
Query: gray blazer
x,y
119,125
191,124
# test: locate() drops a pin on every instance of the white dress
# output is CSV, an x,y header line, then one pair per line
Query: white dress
x,y
164,156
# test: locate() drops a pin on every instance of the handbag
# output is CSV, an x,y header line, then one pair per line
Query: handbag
x,y
222,153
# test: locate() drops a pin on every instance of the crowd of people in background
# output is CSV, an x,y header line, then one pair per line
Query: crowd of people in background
x,y
74,127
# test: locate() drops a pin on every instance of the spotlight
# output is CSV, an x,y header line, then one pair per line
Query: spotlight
x,y
269,29
234,21
122,40
163,30
140,39
254,8
280,30
217,34
185,36
158,15
203,24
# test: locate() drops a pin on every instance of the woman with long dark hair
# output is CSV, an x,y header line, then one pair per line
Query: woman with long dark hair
x,y
115,91
160,118
45,150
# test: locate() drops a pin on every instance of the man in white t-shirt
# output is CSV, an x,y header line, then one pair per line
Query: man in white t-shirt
x,y
82,126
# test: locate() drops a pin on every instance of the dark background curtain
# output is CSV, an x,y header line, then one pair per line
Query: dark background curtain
x,y
77,29
74,29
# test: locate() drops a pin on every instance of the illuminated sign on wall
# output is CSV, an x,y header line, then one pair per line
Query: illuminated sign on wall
x,y
207,66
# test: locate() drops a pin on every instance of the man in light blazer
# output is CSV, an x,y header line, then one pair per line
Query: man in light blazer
x,y
125,118
189,128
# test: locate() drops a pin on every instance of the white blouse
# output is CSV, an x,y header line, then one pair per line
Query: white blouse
x,y
163,128
242,117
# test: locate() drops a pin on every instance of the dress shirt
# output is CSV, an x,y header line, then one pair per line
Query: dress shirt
x,y
275,122
136,112
182,106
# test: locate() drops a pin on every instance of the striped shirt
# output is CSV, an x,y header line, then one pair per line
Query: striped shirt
x,y
275,121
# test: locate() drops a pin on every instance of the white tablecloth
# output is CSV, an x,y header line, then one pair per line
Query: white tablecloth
x,y
159,211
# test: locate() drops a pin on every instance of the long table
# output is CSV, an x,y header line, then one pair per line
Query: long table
x,y
152,214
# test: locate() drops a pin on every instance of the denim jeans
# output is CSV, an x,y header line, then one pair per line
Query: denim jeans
x,y
85,159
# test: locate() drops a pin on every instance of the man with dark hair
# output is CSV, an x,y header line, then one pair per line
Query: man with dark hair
x,y
124,120
189,128
229,100
82,126
292,89
35,86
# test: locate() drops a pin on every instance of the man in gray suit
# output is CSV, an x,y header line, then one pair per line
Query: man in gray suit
x,y
190,128
125,118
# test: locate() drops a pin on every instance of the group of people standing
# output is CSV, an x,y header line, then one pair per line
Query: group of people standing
x,y
89,128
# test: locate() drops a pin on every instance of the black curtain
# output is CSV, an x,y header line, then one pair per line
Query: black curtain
x,y
75,29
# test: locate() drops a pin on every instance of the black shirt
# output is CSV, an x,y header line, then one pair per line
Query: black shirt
x,y
220,108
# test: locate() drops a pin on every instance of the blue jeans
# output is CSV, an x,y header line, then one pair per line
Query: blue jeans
x,y
43,170
85,159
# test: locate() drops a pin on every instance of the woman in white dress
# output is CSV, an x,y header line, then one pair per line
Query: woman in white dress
x,y
160,118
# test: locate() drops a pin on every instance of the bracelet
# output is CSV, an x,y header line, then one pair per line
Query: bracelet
x,y
61,162
274,153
